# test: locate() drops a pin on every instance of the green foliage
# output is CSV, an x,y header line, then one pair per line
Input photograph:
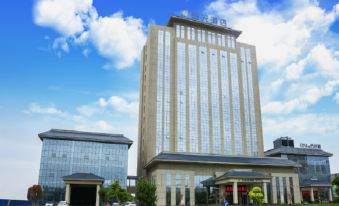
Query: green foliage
x,y
256,195
335,182
34,194
115,193
146,193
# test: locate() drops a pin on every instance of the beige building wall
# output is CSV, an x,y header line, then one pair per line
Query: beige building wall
x,y
148,95
161,170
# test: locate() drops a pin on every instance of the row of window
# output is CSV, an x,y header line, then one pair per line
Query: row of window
x,y
203,36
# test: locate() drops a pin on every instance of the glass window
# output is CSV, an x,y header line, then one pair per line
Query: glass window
x,y
193,98
181,97
236,104
160,80
168,190
215,101
204,100
167,92
225,97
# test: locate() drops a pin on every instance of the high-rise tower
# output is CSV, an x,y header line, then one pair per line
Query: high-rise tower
x,y
199,96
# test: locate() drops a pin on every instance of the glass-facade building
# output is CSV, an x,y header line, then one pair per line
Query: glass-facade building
x,y
67,152
314,171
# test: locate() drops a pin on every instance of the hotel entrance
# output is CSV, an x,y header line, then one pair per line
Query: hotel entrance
x,y
235,185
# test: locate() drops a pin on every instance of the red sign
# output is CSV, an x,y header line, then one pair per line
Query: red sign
x,y
240,189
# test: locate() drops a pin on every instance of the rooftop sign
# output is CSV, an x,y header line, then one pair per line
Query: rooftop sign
x,y
206,19
310,146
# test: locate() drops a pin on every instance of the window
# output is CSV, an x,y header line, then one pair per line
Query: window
x,y
181,97
204,101
193,98
215,101
236,104
225,97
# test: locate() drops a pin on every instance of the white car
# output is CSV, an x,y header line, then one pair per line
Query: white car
x,y
130,204
49,204
63,203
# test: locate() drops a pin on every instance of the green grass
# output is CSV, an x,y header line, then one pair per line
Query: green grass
x,y
324,204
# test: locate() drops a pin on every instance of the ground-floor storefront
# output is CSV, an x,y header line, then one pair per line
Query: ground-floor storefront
x,y
201,183
316,193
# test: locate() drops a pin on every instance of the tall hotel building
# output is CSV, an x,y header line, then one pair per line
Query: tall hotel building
x,y
200,130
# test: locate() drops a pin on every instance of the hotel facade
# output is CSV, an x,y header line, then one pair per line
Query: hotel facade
x,y
200,130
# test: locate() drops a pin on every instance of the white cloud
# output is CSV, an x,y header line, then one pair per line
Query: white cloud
x,y
88,110
298,64
65,16
38,109
61,43
118,38
279,39
121,105
103,125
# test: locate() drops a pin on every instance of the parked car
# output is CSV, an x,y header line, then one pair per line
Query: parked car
x,y
63,203
49,204
115,204
130,204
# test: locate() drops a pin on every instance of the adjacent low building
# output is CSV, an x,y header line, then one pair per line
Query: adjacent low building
x,y
75,162
314,173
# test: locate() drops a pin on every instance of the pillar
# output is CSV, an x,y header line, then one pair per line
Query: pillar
x,y
68,193
296,189
330,197
192,190
282,198
97,200
288,190
265,193
312,194
221,192
235,193
274,190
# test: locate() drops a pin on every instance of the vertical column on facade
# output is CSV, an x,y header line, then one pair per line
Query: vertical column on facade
x,y
68,193
221,192
265,192
173,190
97,200
182,189
235,193
312,194
296,189
274,190
161,188
282,199
330,197
192,191
288,187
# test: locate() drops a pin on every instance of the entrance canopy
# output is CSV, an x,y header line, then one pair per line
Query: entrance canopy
x,y
83,189
242,176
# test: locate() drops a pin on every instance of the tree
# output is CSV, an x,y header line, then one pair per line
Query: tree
x,y
146,193
104,195
114,193
34,194
256,195
335,182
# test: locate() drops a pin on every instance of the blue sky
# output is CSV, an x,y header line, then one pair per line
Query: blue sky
x,y
74,64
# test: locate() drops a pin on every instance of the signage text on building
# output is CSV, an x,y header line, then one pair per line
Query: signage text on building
x,y
310,146
205,18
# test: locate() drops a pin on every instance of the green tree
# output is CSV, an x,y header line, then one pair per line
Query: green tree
x,y
34,194
114,193
104,195
256,195
146,193
335,182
